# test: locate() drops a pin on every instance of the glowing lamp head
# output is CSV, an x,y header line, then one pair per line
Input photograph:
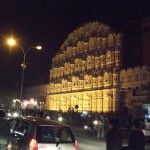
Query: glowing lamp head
x,y
39,47
11,42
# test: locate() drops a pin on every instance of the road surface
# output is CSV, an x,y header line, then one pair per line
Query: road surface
x,y
91,142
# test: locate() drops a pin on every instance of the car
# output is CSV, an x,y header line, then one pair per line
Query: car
x,y
94,120
145,126
32,133
145,122
11,114
146,133
54,115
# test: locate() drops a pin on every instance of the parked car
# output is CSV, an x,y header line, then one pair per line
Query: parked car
x,y
31,133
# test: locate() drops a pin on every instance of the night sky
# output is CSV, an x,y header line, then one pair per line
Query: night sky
x,y
49,22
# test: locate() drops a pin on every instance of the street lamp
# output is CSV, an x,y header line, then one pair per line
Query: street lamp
x,y
12,42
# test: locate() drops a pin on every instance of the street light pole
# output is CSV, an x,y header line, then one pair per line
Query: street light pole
x,y
12,42
23,65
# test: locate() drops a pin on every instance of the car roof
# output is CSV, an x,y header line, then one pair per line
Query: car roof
x,y
43,121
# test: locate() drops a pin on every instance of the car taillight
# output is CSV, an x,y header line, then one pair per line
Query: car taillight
x,y
33,145
76,145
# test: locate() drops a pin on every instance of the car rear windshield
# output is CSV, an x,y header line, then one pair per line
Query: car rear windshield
x,y
50,134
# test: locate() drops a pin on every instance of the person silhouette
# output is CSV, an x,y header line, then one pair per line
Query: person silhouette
x,y
136,138
114,136
4,132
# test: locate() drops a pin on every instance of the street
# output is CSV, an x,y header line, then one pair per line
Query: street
x,y
89,141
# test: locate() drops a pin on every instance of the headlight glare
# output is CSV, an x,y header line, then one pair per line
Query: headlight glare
x,y
60,118
95,122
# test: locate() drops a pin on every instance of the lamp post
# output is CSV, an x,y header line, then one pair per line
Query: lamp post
x,y
12,42
23,65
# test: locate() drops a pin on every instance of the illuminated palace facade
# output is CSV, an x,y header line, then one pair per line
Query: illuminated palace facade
x,y
86,73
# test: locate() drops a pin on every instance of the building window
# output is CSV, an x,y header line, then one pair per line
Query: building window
x,y
136,77
122,79
129,78
144,76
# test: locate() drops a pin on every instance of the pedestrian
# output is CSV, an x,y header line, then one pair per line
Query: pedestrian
x,y
114,136
4,132
100,129
136,138
100,126
106,125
